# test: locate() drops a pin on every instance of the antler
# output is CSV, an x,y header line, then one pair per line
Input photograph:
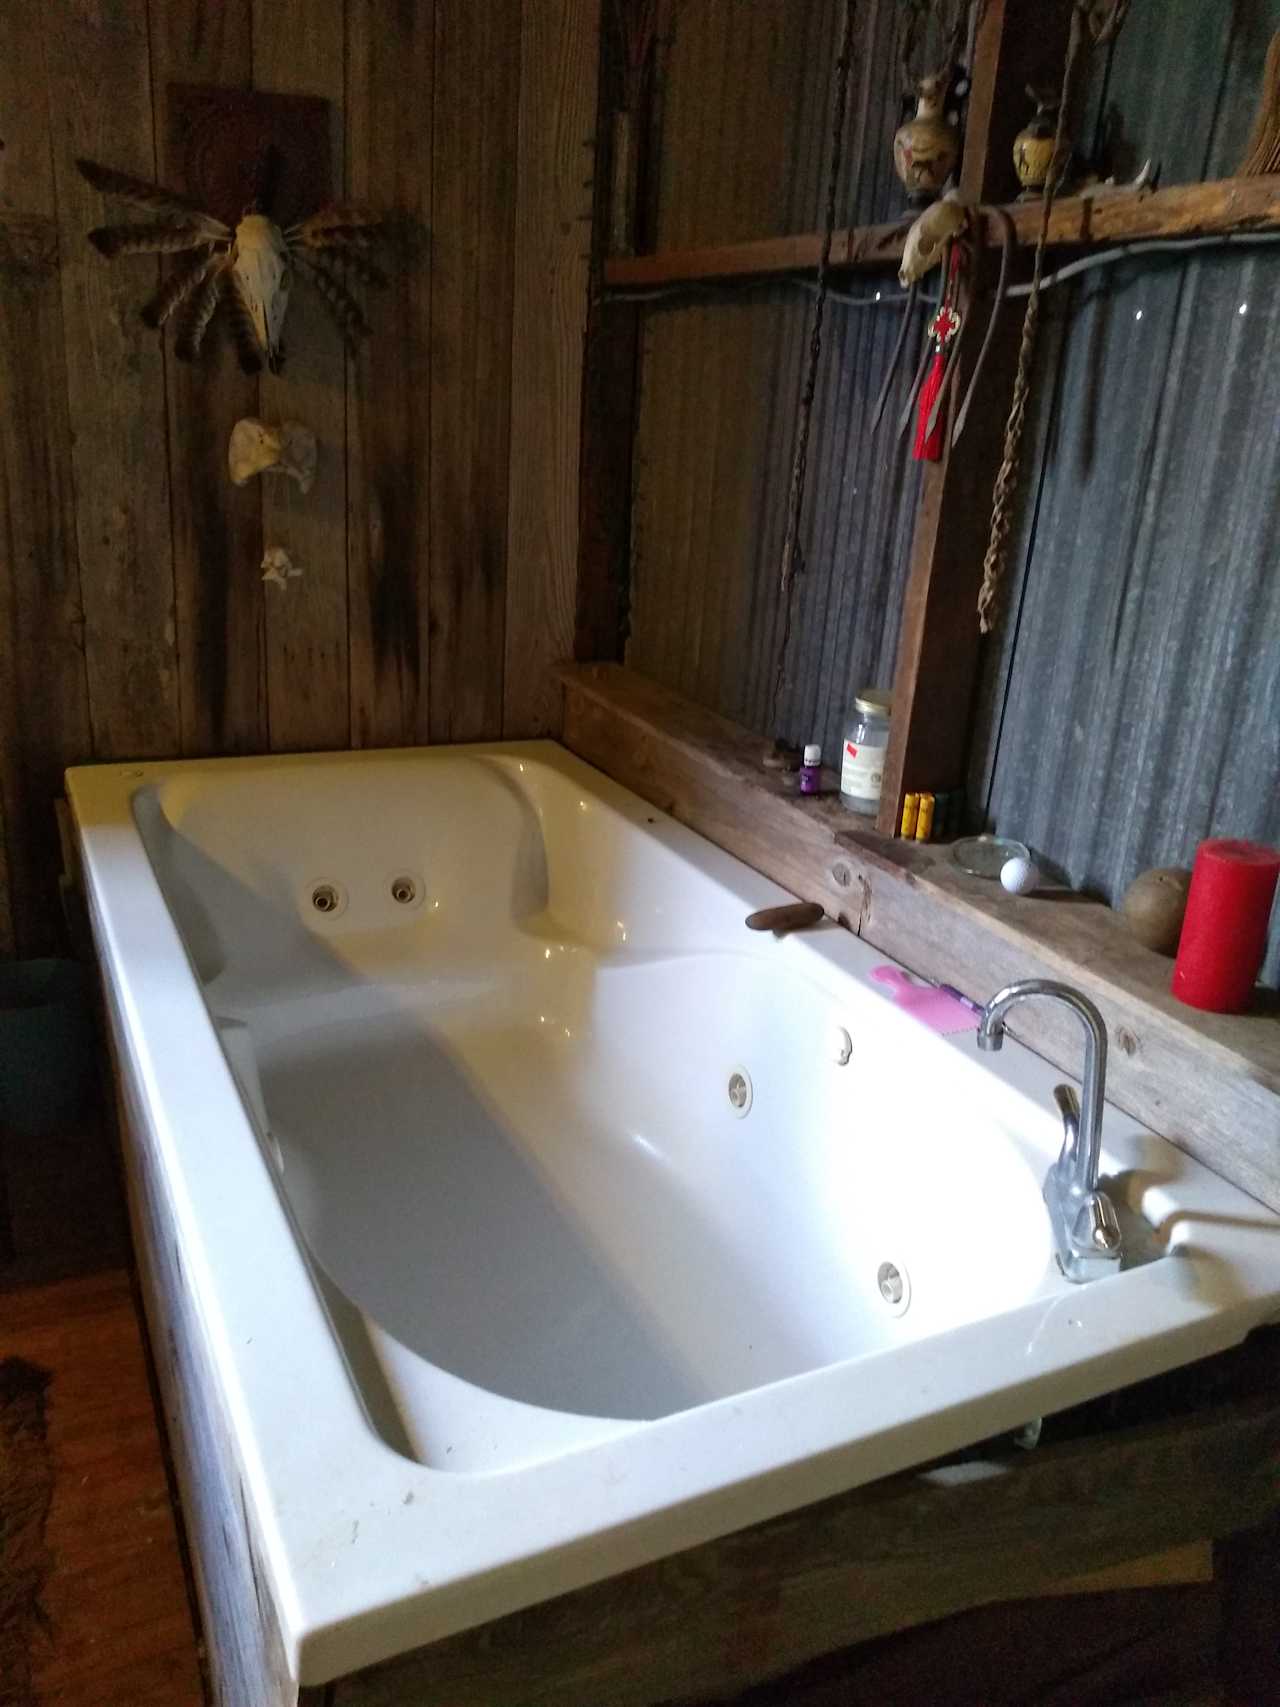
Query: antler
x,y
154,197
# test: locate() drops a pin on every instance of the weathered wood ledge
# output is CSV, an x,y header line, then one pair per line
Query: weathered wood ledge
x,y
1218,208
1208,1082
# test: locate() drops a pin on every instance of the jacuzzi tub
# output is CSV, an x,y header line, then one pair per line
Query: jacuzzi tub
x,y
528,1219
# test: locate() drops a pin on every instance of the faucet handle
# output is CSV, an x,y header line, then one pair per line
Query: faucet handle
x,y
1097,1226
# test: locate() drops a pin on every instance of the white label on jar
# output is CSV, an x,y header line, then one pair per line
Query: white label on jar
x,y
862,770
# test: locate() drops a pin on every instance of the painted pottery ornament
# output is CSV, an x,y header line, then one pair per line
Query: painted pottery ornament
x,y
926,148
1033,145
247,269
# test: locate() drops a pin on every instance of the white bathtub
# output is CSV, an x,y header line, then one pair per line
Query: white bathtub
x,y
500,1291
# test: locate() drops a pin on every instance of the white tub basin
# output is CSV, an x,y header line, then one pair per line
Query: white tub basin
x,y
504,1288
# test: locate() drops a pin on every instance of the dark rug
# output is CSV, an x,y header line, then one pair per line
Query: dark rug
x,y
26,1492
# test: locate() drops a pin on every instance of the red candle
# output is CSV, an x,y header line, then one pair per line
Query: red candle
x,y
1224,935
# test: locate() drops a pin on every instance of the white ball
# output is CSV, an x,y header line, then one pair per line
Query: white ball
x,y
1019,876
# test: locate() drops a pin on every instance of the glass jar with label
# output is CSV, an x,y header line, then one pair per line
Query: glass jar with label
x,y
866,736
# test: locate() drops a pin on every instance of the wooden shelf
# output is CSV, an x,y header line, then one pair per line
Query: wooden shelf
x,y
1214,209
1208,1082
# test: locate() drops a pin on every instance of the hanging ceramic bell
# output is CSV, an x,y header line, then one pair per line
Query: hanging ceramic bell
x,y
1033,145
926,148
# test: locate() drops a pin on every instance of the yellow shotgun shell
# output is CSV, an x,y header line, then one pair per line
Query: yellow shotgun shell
x,y
924,821
910,806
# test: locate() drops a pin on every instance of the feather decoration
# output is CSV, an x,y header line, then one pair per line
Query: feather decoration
x,y
177,287
203,307
154,197
244,332
341,237
166,237
317,229
345,311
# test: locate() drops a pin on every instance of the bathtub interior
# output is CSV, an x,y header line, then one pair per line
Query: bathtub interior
x,y
506,1113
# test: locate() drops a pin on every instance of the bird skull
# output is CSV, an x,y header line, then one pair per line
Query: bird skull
x,y
928,236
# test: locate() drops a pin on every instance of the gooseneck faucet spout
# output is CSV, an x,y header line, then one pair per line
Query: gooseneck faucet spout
x,y
1084,1220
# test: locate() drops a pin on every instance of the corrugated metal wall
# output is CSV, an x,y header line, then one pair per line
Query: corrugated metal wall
x,y
745,138
1131,705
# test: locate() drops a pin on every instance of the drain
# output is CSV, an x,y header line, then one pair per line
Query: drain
x,y
740,1092
325,898
894,1286
404,890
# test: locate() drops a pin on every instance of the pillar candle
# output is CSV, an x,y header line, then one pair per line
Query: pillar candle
x,y
1224,935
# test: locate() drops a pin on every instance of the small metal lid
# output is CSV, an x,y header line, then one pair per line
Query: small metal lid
x,y
813,754
876,701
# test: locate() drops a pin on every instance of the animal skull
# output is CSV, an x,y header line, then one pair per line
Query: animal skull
x,y
260,268
932,231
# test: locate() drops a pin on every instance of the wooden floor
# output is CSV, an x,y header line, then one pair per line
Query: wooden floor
x,y
119,1629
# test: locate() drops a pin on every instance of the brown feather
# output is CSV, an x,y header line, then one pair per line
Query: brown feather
x,y
344,310
243,331
337,215
200,311
154,197
176,288
166,237
341,237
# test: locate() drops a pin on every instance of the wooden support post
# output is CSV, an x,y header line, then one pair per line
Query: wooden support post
x,y
1018,42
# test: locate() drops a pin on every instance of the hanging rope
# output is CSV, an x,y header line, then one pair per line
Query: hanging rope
x,y
1101,21
792,556
1006,486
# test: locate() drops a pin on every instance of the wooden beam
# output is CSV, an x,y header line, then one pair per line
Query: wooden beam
x,y
1108,216
1020,43
1210,1083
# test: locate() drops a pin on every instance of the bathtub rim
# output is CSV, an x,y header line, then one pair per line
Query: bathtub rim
x,y
375,1573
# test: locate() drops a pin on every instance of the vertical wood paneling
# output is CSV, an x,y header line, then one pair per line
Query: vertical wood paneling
x,y
44,720
306,623
439,542
217,527
477,94
559,59
100,105
391,86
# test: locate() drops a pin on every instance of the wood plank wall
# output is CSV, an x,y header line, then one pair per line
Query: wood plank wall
x,y
440,540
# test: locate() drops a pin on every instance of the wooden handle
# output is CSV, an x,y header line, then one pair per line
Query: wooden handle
x,y
797,916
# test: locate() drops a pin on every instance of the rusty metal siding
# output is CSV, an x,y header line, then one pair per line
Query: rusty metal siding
x,y
1131,706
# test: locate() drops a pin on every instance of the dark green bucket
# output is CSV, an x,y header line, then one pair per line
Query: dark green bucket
x,y
46,1044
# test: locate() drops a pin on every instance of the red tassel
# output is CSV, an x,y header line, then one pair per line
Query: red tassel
x,y
943,330
928,445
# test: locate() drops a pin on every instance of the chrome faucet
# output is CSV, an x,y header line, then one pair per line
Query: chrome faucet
x,y
1085,1227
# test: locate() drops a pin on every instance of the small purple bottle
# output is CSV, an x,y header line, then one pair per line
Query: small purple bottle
x,y
811,769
